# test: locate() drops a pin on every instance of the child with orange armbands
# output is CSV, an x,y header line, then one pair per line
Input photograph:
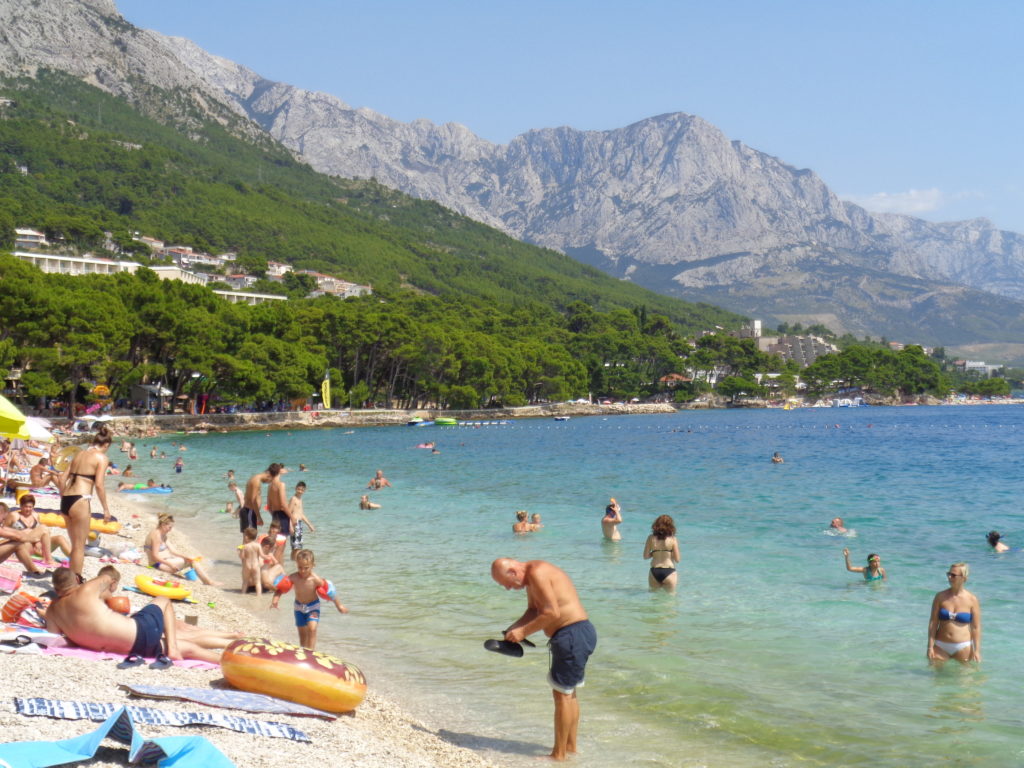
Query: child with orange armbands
x,y
309,588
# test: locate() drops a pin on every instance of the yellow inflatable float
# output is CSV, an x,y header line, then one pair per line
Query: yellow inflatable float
x,y
161,587
96,524
293,673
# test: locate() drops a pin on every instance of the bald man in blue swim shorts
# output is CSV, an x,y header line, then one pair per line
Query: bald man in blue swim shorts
x,y
554,607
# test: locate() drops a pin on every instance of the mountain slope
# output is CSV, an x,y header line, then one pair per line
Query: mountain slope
x,y
668,202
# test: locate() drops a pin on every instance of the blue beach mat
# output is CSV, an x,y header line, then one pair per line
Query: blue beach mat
x,y
166,752
228,699
96,711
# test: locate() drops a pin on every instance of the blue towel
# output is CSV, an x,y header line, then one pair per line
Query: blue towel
x,y
167,752
228,699
97,711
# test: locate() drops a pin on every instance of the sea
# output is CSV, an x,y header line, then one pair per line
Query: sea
x,y
770,653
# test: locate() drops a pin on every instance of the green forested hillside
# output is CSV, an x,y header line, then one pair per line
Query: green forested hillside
x,y
461,314
95,163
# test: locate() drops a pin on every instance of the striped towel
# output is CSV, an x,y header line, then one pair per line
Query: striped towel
x,y
98,712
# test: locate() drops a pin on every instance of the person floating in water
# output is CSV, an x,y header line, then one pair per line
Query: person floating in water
x,y
378,481
837,525
994,542
365,503
872,572
777,458
535,523
521,525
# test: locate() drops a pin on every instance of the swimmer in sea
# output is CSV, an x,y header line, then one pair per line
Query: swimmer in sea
x,y
994,542
378,481
535,523
521,525
610,521
365,503
837,525
777,458
662,549
872,572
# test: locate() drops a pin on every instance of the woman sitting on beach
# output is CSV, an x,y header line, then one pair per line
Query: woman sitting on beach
x,y
872,572
84,477
163,558
662,549
954,629
994,542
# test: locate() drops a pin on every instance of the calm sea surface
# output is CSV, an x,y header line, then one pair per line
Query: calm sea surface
x,y
771,653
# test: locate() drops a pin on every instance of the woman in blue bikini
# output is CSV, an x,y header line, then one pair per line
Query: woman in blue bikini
x,y
954,630
662,549
872,572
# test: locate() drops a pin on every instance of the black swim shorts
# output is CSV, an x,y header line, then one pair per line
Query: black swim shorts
x,y
246,518
570,647
149,632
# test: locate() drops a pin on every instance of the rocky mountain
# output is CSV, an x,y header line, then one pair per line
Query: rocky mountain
x,y
668,202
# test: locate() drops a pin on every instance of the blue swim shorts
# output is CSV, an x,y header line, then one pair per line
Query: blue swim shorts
x,y
570,647
149,631
307,612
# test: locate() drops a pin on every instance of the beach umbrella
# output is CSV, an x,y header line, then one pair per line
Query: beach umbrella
x,y
11,419
36,429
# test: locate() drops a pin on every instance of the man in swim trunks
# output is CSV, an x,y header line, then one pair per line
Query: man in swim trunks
x,y
81,613
552,605
611,520
249,513
277,501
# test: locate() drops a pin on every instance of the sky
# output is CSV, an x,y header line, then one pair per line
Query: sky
x,y
902,106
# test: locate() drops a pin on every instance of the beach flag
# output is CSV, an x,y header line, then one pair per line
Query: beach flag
x,y
325,389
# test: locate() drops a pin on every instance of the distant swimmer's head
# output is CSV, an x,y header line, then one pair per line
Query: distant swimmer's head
x,y
994,537
521,515
837,522
874,560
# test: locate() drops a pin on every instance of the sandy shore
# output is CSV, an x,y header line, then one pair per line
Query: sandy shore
x,y
378,734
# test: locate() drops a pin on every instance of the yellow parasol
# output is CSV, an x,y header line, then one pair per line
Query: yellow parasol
x,y
12,421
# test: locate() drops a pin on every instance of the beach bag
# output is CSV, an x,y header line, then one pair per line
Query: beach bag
x,y
10,579
21,609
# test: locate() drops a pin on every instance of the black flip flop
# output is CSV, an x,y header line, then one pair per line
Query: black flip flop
x,y
504,647
132,660
162,662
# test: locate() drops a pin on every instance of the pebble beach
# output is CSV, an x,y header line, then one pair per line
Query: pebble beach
x,y
378,733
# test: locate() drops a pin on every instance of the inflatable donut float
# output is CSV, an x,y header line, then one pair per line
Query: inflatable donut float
x,y
161,587
293,673
56,520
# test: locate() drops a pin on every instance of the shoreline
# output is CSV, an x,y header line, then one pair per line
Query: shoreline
x,y
142,426
379,733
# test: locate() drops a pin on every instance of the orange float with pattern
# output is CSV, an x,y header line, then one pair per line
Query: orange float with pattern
x,y
293,673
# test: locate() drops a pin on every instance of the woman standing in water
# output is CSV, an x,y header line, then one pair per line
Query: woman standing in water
x,y
84,477
954,629
872,572
662,549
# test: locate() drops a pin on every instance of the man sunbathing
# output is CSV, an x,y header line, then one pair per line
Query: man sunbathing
x,y
80,613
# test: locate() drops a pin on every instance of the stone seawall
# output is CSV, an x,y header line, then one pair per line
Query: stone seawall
x,y
236,422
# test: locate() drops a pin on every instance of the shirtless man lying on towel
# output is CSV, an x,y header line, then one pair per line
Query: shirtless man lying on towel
x,y
81,613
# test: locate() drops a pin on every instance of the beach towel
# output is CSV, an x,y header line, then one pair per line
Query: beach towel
x,y
85,653
166,752
98,711
10,579
227,699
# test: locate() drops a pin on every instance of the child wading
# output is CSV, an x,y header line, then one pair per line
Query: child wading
x,y
308,589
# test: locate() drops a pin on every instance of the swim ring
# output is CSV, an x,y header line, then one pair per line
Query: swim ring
x,y
293,673
59,521
161,587
64,457
143,488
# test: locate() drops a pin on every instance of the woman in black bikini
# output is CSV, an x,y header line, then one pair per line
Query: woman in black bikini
x,y
85,477
662,550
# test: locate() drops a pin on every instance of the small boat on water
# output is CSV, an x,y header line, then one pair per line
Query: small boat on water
x,y
415,421
562,418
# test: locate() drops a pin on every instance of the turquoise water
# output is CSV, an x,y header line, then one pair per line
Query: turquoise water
x,y
771,653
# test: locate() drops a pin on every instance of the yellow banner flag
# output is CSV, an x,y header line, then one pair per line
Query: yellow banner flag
x,y
325,389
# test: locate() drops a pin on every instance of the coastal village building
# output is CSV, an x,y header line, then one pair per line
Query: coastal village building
x,y
241,297
76,265
172,272
803,349
29,238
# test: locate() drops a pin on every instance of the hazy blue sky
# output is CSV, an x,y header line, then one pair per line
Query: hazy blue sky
x,y
913,107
